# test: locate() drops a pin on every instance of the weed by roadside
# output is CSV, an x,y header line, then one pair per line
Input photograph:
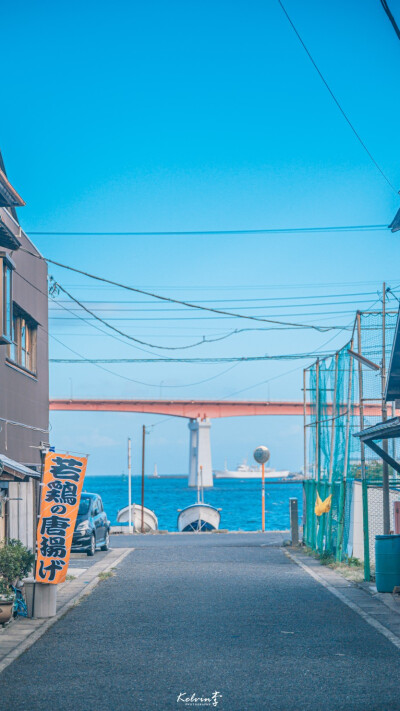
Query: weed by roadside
x,y
351,568
106,575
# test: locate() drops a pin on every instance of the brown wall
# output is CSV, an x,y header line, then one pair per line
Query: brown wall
x,y
24,398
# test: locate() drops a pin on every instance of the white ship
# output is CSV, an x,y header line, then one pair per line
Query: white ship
x,y
244,471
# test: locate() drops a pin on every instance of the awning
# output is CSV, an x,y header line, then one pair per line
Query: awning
x,y
10,469
8,195
382,430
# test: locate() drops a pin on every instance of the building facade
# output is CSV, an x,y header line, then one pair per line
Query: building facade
x,y
24,372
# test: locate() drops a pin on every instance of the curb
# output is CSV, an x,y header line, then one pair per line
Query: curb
x,y
391,636
35,635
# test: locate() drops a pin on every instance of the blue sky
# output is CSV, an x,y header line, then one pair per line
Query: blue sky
x,y
201,116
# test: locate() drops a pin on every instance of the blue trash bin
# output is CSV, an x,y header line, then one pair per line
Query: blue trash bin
x,y
387,562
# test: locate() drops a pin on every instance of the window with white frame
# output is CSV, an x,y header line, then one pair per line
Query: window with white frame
x,y
22,350
6,310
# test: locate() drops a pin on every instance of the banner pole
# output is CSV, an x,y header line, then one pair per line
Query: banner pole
x,y
263,497
129,487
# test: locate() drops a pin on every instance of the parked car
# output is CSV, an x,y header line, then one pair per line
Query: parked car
x,y
92,528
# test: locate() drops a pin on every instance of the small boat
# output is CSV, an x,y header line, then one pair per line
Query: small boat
x,y
150,521
199,516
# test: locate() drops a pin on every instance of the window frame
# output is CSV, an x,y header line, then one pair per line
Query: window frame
x,y
6,301
23,355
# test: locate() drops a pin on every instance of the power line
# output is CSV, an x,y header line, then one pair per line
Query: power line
x,y
238,359
391,18
208,301
170,299
224,335
133,338
262,382
228,315
293,370
119,375
342,111
102,331
163,309
138,382
127,335
205,340
194,233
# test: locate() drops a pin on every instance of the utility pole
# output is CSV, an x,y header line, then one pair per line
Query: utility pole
x,y
143,453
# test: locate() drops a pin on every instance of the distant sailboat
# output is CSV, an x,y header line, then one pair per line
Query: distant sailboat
x,y
199,516
155,473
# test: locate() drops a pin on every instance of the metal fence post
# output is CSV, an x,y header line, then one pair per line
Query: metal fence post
x,y
332,453
305,508
367,572
317,423
343,482
294,521
313,517
305,420
385,468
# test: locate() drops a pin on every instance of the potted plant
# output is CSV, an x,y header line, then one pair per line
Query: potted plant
x,y
6,601
15,563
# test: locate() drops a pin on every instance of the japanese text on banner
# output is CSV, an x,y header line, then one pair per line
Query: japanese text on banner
x,y
61,492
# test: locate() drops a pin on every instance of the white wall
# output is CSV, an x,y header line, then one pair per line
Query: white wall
x,y
375,519
21,512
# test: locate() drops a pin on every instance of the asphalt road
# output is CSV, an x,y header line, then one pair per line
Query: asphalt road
x,y
204,614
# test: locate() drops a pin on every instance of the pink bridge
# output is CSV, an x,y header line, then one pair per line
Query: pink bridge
x,y
194,409
199,413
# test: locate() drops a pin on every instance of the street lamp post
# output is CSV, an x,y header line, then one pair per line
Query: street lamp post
x,y
261,455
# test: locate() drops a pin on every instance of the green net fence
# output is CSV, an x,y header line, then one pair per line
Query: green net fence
x,y
334,389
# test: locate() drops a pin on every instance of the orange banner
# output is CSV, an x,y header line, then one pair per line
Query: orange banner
x,y
61,492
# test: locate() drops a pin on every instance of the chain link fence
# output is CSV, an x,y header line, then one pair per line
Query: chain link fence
x,y
343,395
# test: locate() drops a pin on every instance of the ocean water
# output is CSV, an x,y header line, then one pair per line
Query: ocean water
x,y
240,500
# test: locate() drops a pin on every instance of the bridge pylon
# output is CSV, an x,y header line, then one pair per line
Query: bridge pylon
x,y
200,452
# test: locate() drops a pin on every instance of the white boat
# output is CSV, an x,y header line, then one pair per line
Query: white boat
x,y
244,471
199,516
150,521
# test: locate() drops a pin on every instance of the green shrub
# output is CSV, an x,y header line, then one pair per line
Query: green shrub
x,y
5,590
16,561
